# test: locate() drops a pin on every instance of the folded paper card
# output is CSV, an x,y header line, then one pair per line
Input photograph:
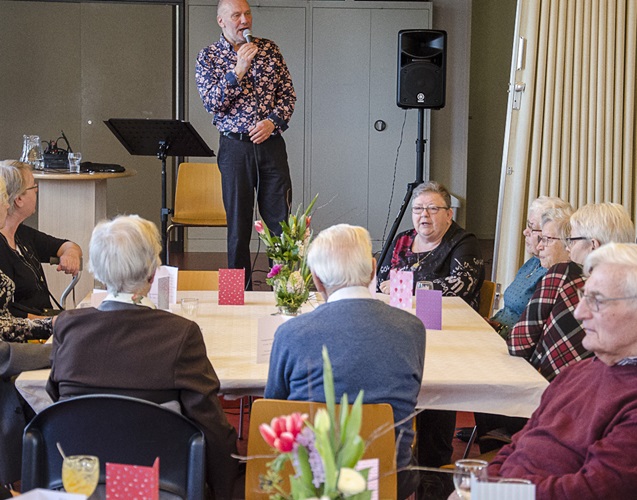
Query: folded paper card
x,y
402,286
163,291
429,308
267,327
42,494
231,287
501,489
130,482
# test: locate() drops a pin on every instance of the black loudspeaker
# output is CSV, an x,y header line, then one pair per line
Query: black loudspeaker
x,y
422,66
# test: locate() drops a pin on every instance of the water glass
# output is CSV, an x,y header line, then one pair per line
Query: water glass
x,y
74,162
464,471
80,474
190,307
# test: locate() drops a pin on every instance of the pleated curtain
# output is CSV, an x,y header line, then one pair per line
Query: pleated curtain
x,y
573,135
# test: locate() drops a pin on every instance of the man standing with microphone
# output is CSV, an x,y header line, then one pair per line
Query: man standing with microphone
x,y
245,84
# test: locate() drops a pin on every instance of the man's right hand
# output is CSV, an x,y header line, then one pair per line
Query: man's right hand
x,y
245,54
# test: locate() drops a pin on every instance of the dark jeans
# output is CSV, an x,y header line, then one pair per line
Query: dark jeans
x,y
245,168
435,429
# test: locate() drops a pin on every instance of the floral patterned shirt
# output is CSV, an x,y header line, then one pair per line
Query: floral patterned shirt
x,y
14,329
548,335
266,91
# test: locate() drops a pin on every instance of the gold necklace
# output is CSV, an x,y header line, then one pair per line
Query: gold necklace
x,y
416,265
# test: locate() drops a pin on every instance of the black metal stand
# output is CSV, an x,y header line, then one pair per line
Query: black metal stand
x,y
161,138
420,167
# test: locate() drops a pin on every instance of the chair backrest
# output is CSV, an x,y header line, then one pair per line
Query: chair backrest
x,y
487,296
197,280
198,199
116,429
376,418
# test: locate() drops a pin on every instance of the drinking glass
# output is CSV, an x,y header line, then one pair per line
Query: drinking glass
x,y
80,474
74,162
190,307
464,471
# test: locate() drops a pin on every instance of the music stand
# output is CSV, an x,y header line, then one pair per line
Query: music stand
x,y
161,138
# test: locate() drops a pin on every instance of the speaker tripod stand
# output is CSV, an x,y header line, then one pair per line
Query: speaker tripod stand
x,y
420,162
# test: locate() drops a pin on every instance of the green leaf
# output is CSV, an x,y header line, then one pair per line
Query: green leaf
x,y
328,385
355,418
351,452
344,416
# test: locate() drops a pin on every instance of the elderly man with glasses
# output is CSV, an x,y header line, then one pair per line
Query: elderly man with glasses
x,y
582,442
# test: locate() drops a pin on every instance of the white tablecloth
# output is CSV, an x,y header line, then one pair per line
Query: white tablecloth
x,y
467,366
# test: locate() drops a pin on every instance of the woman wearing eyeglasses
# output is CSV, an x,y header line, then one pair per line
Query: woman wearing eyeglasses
x,y
518,294
23,249
437,250
548,335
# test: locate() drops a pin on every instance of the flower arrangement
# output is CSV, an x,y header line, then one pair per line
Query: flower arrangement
x,y
289,276
323,454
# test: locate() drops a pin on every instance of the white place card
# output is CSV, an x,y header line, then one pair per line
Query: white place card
x,y
267,326
170,286
372,476
495,490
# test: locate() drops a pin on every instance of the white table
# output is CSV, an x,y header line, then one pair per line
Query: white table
x,y
69,206
467,365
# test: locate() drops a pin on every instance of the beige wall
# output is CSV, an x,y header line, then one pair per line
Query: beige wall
x,y
466,136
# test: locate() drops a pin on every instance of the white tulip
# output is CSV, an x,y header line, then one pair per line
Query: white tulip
x,y
350,482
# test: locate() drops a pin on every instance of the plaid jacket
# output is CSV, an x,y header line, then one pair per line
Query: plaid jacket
x,y
548,335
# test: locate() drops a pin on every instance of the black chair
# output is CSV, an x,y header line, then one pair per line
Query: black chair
x,y
117,429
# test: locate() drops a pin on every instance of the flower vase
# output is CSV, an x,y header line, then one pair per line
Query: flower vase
x,y
288,311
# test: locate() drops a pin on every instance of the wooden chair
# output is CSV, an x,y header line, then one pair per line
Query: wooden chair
x,y
198,199
197,280
375,416
487,296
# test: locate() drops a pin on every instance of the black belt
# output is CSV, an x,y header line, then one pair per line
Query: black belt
x,y
236,136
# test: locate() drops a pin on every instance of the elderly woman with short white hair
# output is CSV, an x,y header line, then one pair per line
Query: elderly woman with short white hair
x,y
548,335
128,347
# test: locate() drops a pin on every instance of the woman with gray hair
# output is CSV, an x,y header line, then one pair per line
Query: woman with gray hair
x,y
23,248
519,292
548,335
437,249
128,347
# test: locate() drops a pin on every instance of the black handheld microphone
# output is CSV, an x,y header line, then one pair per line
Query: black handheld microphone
x,y
247,34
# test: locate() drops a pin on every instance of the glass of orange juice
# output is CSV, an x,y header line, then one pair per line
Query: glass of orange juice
x,y
80,474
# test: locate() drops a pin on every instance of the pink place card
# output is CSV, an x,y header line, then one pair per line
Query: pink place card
x,y
402,285
132,482
231,287
429,308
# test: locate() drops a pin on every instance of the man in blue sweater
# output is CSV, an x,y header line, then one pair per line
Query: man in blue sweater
x,y
372,346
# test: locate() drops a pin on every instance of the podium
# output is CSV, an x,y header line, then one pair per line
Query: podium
x,y
161,138
69,207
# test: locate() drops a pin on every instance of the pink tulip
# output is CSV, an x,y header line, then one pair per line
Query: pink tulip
x,y
258,225
282,431
276,269
308,219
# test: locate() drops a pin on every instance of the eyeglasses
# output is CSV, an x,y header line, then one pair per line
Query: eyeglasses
x,y
546,240
35,186
431,209
570,241
530,227
594,301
